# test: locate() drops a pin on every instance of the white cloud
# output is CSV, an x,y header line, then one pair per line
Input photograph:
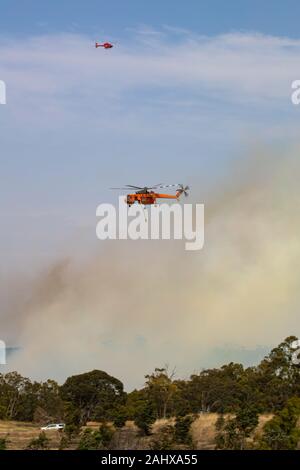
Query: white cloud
x,y
79,120
67,67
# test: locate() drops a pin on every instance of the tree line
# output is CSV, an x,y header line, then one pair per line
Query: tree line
x,y
242,393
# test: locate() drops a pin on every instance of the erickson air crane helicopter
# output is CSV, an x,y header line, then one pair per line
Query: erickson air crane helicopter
x,y
147,195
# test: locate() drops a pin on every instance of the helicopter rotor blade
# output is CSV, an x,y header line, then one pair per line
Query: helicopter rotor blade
x,y
180,187
155,186
134,187
167,185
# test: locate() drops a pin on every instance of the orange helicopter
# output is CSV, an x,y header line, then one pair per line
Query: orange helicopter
x,y
146,196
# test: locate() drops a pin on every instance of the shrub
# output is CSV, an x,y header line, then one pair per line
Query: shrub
x,y
95,440
183,429
40,443
164,439
3,443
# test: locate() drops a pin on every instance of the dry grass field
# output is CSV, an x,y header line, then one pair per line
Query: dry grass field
x,y
203,431
19,435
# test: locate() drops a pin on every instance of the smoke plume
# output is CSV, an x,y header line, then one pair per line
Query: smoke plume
x,y
137,305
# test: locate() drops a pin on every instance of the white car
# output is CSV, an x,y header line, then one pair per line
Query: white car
x,y
53,427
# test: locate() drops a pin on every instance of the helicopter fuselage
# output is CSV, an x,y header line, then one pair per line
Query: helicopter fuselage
x,y
148,197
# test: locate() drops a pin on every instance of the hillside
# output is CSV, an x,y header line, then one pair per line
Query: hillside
x,y
19,435
203,431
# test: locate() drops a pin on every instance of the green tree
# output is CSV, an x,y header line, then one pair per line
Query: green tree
x,y
20,398
182,429
93,395
279,376
120,416
216,390
144,417
282,431
49,399
13,390
233,432
160,390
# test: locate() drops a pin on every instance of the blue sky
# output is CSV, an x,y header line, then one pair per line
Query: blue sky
x,y
190,91
113,18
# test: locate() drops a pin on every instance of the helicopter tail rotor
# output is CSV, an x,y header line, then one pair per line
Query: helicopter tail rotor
x,y
182,190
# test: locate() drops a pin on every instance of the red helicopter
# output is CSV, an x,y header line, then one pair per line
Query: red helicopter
x,y
106,45
145,196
